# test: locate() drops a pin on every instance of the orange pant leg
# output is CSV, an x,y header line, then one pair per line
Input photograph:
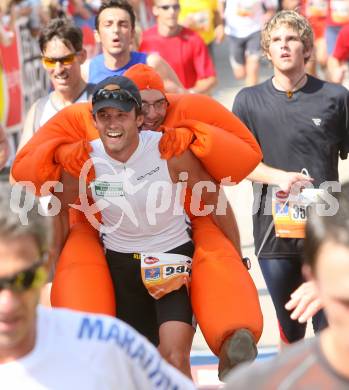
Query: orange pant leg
x,y
82,280
223,294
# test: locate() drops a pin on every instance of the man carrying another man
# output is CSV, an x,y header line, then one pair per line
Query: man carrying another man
x,y
238,291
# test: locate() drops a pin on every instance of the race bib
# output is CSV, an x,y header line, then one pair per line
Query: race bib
x,y
316,8
290,213
340,11
103,189
165,272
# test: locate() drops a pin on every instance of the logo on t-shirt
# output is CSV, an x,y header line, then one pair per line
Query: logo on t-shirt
x,y
317,121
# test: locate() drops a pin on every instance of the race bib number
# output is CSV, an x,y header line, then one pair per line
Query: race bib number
x,y
316,8
165,272
103,189
290,213
340,11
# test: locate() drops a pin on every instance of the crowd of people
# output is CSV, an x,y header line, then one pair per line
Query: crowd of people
x,y
134,131
190,27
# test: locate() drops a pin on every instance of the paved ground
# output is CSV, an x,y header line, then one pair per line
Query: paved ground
x,y
241,199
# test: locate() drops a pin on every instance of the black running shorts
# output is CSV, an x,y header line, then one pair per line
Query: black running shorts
x,y
136,306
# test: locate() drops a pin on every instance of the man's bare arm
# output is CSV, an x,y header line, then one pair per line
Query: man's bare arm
x,y
187,162
61,221
171,80
205,86
336,69
268,175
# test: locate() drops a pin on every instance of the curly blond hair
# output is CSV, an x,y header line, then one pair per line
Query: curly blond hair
x,y
291,19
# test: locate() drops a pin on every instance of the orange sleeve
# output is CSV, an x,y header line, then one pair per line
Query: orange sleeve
x,y
35,161
218,133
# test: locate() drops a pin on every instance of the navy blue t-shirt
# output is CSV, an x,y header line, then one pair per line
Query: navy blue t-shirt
x,y
308,130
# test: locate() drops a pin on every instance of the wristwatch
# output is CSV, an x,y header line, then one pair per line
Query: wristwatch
x,y
247,262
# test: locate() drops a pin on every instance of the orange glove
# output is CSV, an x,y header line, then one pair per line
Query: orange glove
x,y
72,157
175,141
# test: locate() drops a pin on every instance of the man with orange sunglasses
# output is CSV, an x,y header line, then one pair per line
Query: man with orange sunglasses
x,y
61,45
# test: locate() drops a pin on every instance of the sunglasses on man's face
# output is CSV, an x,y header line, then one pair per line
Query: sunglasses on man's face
x,y
33,277
175,7
50,62
121,95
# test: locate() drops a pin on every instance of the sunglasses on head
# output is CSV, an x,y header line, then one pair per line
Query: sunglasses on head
x,y
166,7
24,280
50,62
121,95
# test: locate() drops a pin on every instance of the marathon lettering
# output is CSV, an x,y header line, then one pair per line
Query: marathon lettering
x,y
128,340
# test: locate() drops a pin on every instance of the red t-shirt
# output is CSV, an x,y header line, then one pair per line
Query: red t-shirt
x,y
316,11
186,53
341,51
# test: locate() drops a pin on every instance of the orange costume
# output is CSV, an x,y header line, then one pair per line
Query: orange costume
x,y
224,297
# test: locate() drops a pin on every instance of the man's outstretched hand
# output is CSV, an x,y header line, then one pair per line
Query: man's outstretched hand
x,y
292,182
304,302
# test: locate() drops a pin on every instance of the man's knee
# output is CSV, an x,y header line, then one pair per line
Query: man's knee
x,y
177,358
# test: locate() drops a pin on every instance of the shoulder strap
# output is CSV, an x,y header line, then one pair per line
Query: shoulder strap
x,y
39,110
89,89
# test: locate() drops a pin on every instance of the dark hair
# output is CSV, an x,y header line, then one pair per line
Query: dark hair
x,y
323,228
63,29
11,226
122,4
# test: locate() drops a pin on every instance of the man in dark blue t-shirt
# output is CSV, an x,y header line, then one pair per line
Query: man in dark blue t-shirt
x,y
299,122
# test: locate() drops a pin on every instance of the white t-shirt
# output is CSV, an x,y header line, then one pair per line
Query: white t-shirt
x,y
82,351
142,209
245,17
49,110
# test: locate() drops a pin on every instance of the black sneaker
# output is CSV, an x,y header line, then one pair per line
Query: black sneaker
x,y
238,348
